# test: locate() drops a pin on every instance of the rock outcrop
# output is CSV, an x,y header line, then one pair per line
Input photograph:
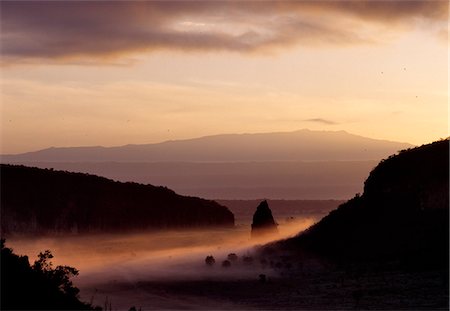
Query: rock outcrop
x,y
263,221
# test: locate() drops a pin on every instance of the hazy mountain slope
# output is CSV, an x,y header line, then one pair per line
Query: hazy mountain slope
x,y
39,201
403,214
236,180
285,146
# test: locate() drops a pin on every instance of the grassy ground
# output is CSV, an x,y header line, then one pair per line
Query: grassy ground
x,y
393,290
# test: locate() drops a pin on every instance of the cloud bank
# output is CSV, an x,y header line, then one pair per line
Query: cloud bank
x,y
100,29
322,121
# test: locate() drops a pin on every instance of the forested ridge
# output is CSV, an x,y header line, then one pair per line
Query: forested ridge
x,y
46,201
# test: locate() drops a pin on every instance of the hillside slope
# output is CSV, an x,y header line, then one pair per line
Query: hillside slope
x,y
402,216
45,201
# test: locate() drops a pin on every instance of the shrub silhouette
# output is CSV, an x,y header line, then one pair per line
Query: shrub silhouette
x,y
232,257
248,260
209,260
262,278
37,287
226,264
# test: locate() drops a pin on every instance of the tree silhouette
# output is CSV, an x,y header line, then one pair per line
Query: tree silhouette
x,y
209,260
226,264
232,257
37,287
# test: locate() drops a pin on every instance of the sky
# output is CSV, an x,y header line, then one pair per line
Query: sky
x,y
81,73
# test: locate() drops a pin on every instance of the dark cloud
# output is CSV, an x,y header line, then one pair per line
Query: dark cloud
x,y
71,29
322,121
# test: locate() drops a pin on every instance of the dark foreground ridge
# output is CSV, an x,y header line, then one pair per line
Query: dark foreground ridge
x,y
46,201
38,286
402,218
387,249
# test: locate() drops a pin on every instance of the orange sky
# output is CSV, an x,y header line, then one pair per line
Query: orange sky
x,y
98,73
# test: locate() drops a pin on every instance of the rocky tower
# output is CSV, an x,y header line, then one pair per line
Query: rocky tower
x,y
263,222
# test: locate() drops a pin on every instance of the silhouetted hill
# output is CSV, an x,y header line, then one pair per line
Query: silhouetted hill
x,y
403,215
45,201
303,145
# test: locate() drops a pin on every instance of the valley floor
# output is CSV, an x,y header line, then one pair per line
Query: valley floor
x,y
393,290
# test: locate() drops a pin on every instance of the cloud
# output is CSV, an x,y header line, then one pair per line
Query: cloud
x,y
322,121
98,29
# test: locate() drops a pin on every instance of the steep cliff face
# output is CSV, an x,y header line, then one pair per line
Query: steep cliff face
x,y
403,214
46,201
414,179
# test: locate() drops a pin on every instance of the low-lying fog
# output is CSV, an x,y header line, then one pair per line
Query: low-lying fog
x,y
105,260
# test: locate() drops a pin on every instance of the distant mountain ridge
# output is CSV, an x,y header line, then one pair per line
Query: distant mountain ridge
x,y
302,145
